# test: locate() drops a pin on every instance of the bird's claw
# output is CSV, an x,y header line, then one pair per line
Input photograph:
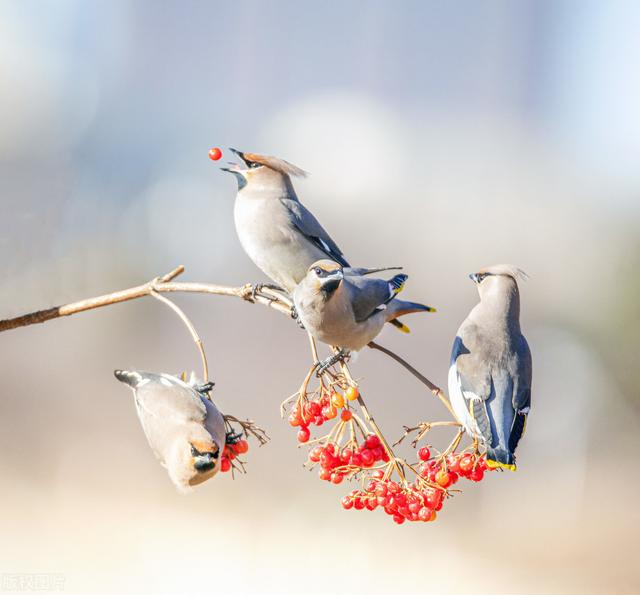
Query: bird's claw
x,y
296,317
258,287
326,363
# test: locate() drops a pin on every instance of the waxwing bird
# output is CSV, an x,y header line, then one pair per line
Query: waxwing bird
x,y
278,233
349,311
490,370
184,428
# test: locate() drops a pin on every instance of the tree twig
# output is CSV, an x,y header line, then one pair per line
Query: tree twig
x,y
192,330
437,391
164,284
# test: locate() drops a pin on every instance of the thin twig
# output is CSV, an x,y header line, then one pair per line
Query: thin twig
x,y
437,391
192,330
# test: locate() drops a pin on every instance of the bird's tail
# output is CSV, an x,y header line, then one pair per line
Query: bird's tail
x,y
357,271
398,308
500,458
130,378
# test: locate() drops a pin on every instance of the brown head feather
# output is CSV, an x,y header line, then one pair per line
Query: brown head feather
x,y
506,269
279,165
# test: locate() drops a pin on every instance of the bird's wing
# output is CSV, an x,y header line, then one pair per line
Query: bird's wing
x,y
309,226
521,394
474,379
170,399
215,423
369,295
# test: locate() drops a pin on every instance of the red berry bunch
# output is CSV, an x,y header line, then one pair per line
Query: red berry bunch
x,y
410,503
319,410
420,500
235,445
445,472
336,463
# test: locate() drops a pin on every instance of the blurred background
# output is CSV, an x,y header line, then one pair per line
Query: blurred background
x,y
465,134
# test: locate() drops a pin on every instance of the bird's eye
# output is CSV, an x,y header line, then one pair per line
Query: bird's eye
x,y
318,271
481,277
253,164
194,451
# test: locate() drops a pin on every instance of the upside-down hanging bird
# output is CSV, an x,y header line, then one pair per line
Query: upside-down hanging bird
x,y
184,428
490,370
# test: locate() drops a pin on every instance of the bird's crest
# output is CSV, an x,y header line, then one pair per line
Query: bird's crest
x,y
277,164
506,269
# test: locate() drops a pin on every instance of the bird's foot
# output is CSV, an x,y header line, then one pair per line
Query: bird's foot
x,y
258,287
325,364
296,317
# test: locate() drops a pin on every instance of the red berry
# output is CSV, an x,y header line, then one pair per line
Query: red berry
x,y
356,460
337,478
225,464
424,514
372,441
381,489
432,497
424,453
303,434
358,504
352,393
477,474
315,454
325,474
241,447
329,412
215,154
337,400
378,474
367,458
346,415
443,478
466,463
453,463
398,519
347,503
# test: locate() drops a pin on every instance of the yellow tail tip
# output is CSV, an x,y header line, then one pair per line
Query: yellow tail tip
x,y
398,289
403,328
430,309
497,465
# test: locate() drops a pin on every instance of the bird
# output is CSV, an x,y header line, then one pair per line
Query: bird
x,y
491,367
349,311
278,233
185,430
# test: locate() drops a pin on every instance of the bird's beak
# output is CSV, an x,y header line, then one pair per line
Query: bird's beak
x,y
474,277
233,168
205,462
239,154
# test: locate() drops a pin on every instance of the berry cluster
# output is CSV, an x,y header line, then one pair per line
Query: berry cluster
x,y
446,473
235,445
336,462
324,408
411,503
420,500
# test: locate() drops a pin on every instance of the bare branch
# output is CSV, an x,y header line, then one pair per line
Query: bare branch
x,y
164,284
